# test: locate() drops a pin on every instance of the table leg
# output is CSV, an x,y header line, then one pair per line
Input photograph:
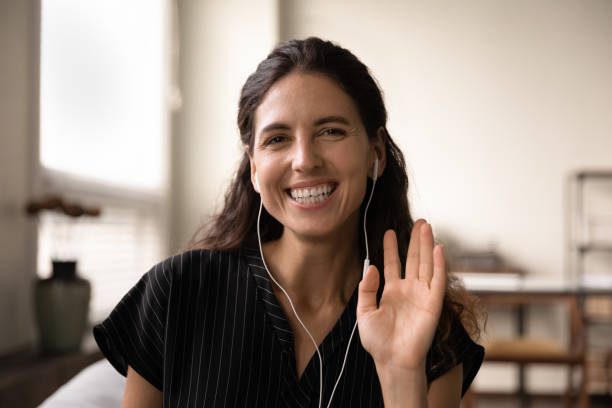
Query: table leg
x,y
520,323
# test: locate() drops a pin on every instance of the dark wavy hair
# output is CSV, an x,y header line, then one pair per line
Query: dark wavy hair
x,y
235,225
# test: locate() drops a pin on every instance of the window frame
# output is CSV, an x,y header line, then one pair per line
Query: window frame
x,y
45,181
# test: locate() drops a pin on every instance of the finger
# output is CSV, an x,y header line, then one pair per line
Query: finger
x,y
412,259
425,253
393,266
366,300
438,281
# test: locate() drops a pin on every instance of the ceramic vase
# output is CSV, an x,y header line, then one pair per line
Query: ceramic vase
x,y
62,307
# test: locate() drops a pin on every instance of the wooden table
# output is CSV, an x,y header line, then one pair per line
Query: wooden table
x,y
28,377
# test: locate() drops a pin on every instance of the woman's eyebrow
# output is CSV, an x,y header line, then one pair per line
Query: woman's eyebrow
x,y
318,122
275,126
328,119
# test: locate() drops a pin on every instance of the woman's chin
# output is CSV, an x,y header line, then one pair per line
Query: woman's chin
x,y
312,234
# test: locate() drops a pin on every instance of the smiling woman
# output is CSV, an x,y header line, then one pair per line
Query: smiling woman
x,y
262,308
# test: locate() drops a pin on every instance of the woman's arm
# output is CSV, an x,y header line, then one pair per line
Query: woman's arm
x,y
406,389
445,391
139,392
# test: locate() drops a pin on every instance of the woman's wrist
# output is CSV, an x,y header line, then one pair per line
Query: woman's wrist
x,y
403,387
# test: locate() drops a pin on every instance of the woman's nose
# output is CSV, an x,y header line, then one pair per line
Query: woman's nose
x,y
306,156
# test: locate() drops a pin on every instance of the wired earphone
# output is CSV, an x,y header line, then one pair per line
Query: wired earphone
x,y
366,264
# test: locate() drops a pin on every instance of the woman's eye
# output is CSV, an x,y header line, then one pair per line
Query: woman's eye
x,y
274,140
333,132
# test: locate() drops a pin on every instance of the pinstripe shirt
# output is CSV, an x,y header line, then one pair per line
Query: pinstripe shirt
x,y
205,328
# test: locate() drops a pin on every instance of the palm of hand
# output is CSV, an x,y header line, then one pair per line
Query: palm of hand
x,y
400,330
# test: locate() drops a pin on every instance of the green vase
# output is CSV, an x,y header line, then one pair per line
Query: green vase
x,y
62,307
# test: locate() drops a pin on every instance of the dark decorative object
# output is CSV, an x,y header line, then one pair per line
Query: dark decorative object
x,y
62,306
61,301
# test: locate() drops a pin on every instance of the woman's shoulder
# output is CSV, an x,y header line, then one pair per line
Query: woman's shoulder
x,y
189,264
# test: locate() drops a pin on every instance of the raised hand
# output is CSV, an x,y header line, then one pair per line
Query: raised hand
x,y
399,332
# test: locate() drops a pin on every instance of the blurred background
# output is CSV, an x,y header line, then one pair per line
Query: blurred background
x,y
502,108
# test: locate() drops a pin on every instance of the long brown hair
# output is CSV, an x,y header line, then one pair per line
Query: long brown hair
x,y
235,225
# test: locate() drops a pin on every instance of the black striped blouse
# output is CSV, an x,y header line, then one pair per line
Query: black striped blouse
x,y
205,328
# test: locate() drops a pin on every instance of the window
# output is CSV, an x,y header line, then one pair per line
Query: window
x,y
104,120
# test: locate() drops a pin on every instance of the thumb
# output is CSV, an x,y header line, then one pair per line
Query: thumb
x,y
366,301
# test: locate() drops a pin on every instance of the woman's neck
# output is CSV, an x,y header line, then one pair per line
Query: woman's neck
x,y
316,272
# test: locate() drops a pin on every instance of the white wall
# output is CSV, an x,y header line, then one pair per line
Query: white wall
x,y
221,44
493,104
17,121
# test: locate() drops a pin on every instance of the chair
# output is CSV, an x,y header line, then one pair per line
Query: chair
x,y
524,350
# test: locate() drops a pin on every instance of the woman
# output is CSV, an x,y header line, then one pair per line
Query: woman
x,y
261,309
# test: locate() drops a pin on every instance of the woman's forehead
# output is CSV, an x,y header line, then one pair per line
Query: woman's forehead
x,y
303,99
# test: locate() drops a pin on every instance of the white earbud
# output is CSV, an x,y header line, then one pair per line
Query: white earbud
x,y
257,183
375,173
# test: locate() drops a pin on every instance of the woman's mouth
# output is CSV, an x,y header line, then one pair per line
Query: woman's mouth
x,y
312,195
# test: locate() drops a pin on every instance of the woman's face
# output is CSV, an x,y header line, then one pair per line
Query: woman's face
x,y
311,155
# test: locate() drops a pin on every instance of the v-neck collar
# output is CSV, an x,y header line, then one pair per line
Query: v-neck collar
x,y
336,338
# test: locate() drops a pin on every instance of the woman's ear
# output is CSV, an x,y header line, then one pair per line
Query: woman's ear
x,y
380,151
253,170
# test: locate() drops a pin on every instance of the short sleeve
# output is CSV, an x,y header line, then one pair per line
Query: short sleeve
x,y
134,332
465,351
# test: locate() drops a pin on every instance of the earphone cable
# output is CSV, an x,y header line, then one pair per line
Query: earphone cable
x,y
292,307
365,215
366,263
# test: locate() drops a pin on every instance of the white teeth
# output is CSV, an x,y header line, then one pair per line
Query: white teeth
x,y
312,195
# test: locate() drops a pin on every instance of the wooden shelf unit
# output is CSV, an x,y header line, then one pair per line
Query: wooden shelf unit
x,y
581,245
